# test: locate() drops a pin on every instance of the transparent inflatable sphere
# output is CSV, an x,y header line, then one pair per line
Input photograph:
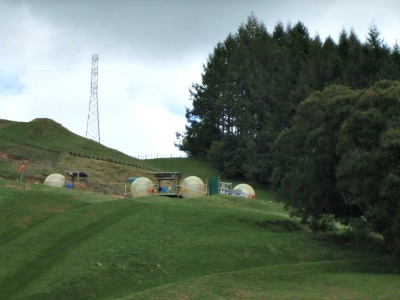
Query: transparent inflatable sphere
x,y
244,190
192,187
142,186
56,180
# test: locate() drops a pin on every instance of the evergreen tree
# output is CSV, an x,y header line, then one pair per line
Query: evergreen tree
x,y
253,82
375,55
331,63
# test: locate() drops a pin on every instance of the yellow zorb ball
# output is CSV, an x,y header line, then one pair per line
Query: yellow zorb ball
x,y
142,186
192,187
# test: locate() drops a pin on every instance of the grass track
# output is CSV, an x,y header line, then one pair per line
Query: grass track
x,y
59,247
342,279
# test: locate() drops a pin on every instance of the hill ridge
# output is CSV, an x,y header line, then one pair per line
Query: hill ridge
x,y
41,145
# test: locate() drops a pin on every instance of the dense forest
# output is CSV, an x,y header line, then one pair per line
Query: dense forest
x,y
317,120
340,161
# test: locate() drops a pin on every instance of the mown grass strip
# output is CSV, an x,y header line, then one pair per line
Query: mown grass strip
x,y
58,249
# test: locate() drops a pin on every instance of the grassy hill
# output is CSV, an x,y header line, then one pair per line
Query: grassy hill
x,y
42,144
70,244
46,147
58,243
45,139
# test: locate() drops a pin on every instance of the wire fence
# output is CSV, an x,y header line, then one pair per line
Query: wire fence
x,y
161,155
132,163
118,161
10,166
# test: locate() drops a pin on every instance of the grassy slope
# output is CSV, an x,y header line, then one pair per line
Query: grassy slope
x,y
66,244
69,244
45,139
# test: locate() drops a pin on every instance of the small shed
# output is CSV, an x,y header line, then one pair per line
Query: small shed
x,y
168,183
78,179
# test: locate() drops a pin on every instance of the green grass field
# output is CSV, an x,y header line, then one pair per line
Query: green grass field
x,y
58,243
68,244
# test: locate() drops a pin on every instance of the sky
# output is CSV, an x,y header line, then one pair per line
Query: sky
x,y
150,53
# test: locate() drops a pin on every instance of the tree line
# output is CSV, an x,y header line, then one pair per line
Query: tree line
x,y
340,161
293,111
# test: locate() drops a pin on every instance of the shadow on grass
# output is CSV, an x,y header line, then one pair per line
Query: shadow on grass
x,y
280,226
277,226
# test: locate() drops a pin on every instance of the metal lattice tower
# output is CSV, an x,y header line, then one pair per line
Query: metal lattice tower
x,y
93,124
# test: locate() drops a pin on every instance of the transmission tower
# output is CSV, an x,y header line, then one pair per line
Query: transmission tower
x,y
93,124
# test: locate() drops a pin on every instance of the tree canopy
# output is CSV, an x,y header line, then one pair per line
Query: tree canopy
x,y
317,120
340,159
253,82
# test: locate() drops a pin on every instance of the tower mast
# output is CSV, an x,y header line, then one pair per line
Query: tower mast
x,y
93,124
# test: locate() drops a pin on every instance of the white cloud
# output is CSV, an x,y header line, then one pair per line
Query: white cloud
x,y
150,52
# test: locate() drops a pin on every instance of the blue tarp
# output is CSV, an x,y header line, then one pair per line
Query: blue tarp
x,y
130,180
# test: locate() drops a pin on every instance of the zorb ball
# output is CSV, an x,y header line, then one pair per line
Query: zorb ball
x,y
142,186
56,180
248,191
192,187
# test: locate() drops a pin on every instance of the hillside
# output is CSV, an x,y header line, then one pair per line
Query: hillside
x,y
46,147
58,243
45,139
70,244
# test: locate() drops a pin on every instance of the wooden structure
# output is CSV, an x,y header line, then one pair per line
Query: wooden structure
x,y
168,184
78,179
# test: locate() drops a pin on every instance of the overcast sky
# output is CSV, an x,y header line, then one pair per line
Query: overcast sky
x,y
150,52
